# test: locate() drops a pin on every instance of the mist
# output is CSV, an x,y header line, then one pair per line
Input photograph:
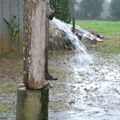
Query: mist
x,y
76,9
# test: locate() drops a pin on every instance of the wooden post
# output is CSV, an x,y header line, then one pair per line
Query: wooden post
x,y
73,29
34,43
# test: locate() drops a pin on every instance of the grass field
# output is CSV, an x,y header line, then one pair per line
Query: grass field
x,y
110,31
103,27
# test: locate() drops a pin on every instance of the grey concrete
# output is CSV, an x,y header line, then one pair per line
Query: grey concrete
x,y
32,104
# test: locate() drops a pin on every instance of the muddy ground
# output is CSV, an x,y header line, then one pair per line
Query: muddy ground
x,y
78,94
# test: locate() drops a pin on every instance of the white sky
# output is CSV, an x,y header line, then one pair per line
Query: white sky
x,y
109,0
80,0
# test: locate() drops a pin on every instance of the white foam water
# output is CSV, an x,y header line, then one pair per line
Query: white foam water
x,y
81,58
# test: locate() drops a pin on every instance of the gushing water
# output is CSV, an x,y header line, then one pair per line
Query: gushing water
x,y
81,58
92,95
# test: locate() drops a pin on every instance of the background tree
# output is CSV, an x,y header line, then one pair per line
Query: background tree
x,y
106,12
91,9
61,8
115,9
74,8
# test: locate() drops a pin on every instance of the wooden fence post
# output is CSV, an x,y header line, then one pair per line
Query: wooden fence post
x,y
34,43
32,96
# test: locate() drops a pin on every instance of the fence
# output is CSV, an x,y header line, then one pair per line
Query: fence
x,y
8,9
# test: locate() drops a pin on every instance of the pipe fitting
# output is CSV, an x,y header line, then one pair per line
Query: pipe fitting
x,y
50,12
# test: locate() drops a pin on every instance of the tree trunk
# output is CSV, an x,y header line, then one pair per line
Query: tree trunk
x,y
34,43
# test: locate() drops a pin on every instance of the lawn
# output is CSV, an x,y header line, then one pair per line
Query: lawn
x,y
103,27
110,30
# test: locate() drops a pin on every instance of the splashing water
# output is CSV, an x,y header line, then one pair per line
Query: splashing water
x,y
81,58
93,96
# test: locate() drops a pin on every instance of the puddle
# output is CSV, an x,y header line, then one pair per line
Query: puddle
x,y
79,93
93,94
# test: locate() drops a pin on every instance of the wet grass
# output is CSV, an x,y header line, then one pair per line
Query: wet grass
x,y
60,52
111,32
4,108
109,46
7,86
59,105
18,68
103,27
11,55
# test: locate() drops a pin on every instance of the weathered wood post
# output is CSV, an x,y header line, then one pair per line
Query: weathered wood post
x,y
73,23
32,96
34,43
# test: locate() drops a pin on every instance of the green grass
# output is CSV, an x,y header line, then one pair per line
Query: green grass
x,y
11,55
4,108
109,46
103,27
109,29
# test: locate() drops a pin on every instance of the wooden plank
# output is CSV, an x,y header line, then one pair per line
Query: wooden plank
x,y
15,12
6,15
20,47
1,26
